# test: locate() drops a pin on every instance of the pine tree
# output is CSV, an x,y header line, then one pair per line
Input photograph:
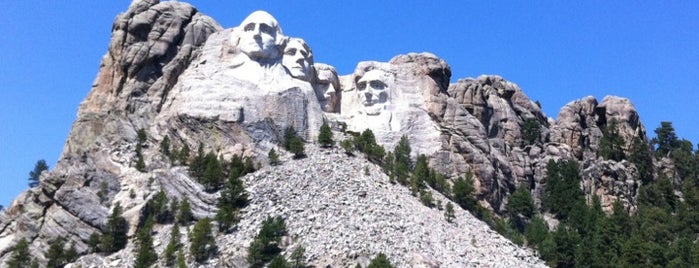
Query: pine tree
x,y
611,145
380,261
366,143
449,212
232,199
184,216
203,243
165,146
521,207
212,177
420,174
426,198
463,192
389,166
181,262
55,255
536,231
347,146
35,174
640,156
565,244
297,147
298,257
278,262
20,255
93,242
145,253
198,164
289,134
158,207
140,163
141,136
531,131
273,157
265,246
402,162
439,182
665,139
172,246
325,137
115,238
562,190
293,143
71,254
184,155
248,166
236,167
140,143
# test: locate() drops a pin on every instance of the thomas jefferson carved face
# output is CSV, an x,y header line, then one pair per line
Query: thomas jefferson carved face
x,y
373,91
298,59
258,38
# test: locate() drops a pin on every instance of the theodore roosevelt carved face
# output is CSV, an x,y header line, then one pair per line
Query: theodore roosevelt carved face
x,y
327,87
298,59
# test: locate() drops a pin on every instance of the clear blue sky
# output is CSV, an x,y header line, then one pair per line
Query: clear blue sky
x,y
556,51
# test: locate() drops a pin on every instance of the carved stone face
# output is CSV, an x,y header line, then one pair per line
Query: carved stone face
x,y
298,59
259,36
373,91
327,88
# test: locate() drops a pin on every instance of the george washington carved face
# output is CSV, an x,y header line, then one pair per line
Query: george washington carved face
x,y
258,38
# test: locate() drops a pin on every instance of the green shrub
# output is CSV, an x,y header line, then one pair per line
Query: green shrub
x,y
203,244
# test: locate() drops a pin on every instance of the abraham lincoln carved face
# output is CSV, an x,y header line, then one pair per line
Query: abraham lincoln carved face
x,y
374,91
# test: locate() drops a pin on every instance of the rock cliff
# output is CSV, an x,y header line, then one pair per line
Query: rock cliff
x,y
174,72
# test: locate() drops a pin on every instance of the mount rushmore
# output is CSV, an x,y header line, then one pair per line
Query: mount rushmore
x,y
175,72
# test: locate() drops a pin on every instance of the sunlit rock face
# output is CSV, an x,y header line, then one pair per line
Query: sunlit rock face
x,y
176,73
392,99
256,82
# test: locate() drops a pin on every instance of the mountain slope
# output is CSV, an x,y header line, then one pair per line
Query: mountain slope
x,y
172,72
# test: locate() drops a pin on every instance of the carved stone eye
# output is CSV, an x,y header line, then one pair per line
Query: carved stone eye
x,y
266,29
361,85
376,84
290,52
249,27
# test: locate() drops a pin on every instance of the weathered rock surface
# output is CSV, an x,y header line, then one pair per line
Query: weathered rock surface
x,y
175,72
152,44
343,215
392,99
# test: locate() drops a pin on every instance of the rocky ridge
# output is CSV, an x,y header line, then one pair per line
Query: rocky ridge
x,y
175,72
343,210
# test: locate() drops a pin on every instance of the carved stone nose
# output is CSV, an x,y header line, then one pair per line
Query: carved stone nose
x,y
369,96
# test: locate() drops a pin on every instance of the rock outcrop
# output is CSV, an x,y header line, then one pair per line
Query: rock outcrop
x,y
152,44
343,210
397,98
174,72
